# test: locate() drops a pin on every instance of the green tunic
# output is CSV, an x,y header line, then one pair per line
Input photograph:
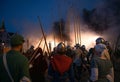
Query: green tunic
x,y
103,66
17,64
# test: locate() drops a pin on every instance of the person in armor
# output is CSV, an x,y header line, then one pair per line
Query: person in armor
x,y
39,66
30,52
16,62
107,43
77,63
61,68
90,55
84,51
100,40
53,52
70,52
101,66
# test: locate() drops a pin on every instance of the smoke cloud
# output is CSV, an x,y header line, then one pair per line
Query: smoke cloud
x,y
104,20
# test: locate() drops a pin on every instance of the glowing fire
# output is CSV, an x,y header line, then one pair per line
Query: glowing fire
x,y
87,39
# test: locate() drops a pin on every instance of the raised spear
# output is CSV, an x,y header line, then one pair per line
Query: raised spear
x,y
43,35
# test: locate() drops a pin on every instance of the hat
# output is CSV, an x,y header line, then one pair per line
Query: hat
x,y
100,47
16,40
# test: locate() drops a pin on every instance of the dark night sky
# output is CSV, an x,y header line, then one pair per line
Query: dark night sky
x,y
20,14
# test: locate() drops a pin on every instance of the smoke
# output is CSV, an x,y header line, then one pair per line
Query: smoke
x,y
105,16
31,32
104,20
110,11
88,36
60,31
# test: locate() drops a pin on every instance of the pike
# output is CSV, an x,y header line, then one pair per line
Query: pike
x,y
61,31
44,48
44,36
75,31
79,31
54,39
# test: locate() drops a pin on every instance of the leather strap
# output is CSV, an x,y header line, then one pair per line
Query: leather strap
x,y
6,67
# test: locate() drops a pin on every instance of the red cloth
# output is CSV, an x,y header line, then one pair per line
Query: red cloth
x,y
61,63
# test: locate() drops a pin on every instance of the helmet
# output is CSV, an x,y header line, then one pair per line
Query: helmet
x,y
31,47
83,46
69,47
100,40
16,40
77,45
61,48
107,43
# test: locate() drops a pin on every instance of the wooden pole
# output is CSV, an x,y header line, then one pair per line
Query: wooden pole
x,y
61,30
79,30
40,41
43,35
75,30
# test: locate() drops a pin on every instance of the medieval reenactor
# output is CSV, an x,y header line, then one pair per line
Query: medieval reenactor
x,y
91,53
101,66
39,66
61,68
70,52
29,52
79,65
84,50
15,67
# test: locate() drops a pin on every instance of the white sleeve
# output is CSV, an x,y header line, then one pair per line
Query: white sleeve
x,y
112,72
25,79
110,76
94,74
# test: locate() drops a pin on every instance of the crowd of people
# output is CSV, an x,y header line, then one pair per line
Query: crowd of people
x,y
64,64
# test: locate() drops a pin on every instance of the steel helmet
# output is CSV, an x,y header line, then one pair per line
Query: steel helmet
x,y
69,47
107,43
61,48
77,45
31,47
83,46
100,40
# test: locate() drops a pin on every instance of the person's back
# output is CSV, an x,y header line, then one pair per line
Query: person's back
x,y
101,66
61,68
16,63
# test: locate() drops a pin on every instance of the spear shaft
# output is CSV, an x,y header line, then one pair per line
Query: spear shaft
x,y
43,35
